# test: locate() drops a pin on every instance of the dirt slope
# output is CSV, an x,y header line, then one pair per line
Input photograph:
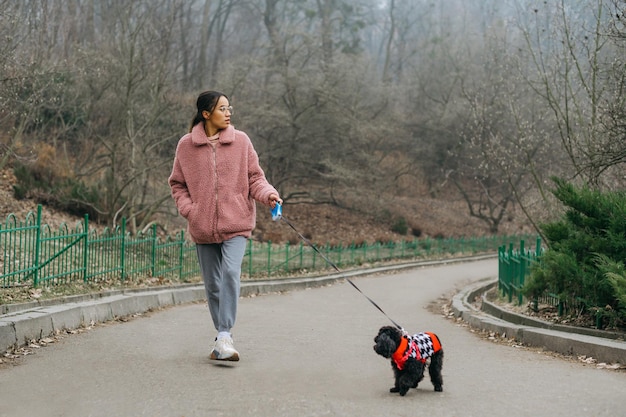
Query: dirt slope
x,y
320,223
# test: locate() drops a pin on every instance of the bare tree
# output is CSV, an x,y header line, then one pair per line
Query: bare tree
x,y
133,109
570,53
298,94
40,100
344,100
614,115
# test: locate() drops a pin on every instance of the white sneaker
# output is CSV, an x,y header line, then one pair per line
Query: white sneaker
x,y
224,350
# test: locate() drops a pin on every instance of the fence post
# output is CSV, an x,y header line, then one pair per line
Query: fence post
x,y
181,255
249,253
511,273
339,252
537,254
522,272
154,245
123,250
500,268
86,249
538,248
269,258
37,247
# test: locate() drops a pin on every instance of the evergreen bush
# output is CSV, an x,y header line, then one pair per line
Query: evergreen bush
x,y
400,226
586,248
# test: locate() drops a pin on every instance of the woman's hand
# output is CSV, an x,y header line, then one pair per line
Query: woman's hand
x,y
274,198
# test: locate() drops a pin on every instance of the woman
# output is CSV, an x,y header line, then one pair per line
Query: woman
x,y
215,179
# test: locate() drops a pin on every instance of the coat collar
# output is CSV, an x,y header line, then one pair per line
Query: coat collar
x,y
199,137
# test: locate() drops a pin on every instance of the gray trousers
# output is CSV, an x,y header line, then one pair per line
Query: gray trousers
x,y
220,266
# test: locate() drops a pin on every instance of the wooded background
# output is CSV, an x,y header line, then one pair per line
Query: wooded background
x,y
352,103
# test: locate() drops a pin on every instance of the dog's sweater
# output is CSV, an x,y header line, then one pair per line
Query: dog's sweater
x,y
420,346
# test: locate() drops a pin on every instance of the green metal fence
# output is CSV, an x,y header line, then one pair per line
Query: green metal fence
x,y
513,268
33,254
267,259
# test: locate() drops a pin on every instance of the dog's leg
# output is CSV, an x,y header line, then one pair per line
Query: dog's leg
x,y
407,381
396,385
403,385
396,377
410,376
414,374
419,373
436,364
403,381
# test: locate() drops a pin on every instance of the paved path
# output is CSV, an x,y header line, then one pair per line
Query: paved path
x,y
304,353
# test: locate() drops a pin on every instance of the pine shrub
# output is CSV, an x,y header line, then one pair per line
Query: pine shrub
x,y
586,247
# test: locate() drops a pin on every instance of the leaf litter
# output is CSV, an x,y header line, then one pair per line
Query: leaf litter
x,y
443,306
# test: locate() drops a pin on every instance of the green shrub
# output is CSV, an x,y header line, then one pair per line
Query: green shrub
x,y
614,274
26,181
592,228
49,185
400,226
19,192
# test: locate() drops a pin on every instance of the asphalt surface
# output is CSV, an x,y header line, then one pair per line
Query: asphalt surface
x,y
303,353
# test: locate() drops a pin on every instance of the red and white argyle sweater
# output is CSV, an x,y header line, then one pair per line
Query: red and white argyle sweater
x,y
420,346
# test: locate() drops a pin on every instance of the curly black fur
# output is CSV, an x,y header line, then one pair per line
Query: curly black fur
x,y
387,341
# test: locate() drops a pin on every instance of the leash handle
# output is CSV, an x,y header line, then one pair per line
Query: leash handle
x,y
278,212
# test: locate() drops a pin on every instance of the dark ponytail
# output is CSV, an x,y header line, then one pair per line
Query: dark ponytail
x,y
206,101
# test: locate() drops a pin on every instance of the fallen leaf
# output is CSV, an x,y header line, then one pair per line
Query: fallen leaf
x,y
612,366
35,293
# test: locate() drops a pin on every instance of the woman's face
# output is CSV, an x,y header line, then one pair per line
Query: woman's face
x,y
220,117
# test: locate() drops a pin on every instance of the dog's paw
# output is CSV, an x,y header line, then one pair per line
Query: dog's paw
x,y
394,389
439,388
403,391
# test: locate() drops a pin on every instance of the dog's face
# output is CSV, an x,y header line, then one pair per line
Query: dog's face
x,y
387,341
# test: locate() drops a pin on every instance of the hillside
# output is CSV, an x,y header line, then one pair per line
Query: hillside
x,y
320,223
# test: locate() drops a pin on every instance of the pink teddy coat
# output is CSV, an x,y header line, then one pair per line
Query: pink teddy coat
x,y
215,187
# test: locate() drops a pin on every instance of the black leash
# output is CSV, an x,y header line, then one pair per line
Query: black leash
x,y
277,214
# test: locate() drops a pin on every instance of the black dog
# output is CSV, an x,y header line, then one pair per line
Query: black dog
x,y
408,356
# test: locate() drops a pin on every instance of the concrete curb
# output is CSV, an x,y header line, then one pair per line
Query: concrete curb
x,y
557,338
22,323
